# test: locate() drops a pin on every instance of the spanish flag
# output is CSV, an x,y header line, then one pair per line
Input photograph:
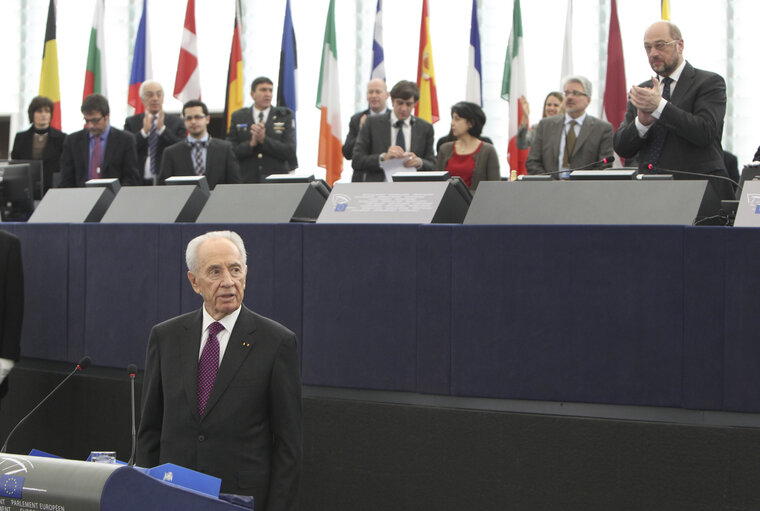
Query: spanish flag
x,y
49,84
427,107
234,99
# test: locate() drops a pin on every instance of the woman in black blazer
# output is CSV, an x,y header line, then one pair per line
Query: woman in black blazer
x,y
41,141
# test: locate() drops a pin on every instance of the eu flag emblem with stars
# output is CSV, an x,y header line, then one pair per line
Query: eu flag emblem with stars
x,y
11,486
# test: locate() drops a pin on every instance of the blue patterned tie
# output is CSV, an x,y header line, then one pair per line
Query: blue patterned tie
x,y
659,131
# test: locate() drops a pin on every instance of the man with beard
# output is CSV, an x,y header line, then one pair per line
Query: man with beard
x,y
675,120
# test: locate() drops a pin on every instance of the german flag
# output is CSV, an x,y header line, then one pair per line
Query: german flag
x,y
49,84
234,99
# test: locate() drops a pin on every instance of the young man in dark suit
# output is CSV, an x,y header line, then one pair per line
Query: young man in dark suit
x,y
11,305
263,136
675,120
200,154
154,131
222,389
397,134
99,150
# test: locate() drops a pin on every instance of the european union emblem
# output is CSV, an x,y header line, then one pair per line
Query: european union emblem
x,y
11,486
341,207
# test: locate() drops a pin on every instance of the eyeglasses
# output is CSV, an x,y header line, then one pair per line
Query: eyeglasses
x,y
659,45
197,117
93,120
575,93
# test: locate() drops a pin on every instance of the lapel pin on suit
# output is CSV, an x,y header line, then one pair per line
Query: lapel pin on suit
x,y
246,344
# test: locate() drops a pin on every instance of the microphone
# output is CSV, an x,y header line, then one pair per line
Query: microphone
x,y
603,161
132,372
654,170
83,364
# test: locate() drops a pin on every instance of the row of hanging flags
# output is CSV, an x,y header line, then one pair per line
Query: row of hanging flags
x,y
187,80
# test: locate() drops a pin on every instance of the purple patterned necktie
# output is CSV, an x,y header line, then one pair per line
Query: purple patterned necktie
x,y
208,365
96,159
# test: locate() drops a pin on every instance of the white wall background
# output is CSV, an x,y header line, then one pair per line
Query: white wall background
x,y
716,32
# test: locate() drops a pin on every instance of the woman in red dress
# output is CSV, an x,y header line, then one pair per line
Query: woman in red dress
x,y
468,157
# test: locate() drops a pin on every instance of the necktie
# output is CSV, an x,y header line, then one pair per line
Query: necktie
x,y
400,140
153,147
96,160
569,145
658,131
198,159
208,365
261,116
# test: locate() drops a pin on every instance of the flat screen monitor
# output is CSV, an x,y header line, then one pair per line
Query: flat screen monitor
x,y
427,175
40,184
16,192
749,173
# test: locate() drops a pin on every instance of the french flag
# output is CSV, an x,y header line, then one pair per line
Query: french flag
x,y
378,55
141,64
474,92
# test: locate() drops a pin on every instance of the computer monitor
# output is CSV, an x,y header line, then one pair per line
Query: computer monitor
x,y
40,183
16,192
750,172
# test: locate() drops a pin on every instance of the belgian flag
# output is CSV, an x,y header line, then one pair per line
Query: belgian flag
x,y
49,84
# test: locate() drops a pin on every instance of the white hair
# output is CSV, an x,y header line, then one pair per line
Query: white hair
x,y
585,83
191,254
146,83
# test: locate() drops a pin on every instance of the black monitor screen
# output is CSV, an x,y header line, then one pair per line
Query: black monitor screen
x,y
16,192
40,184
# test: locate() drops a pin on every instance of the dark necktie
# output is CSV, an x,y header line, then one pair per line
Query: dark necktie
x,y
198,159
659,131
569,145
96,161
400,139
153,147
261,116
208,365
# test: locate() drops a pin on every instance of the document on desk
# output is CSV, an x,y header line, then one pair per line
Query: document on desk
x,y
392,166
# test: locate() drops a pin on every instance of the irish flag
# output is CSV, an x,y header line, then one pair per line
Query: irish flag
x,y
95,73
330,156
512,87
49,84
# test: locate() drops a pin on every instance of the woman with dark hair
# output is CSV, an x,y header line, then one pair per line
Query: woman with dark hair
x,y
554,104
41,141
468,157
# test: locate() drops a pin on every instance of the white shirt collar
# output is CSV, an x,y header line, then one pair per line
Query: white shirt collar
x,y
579,120
228,321
675,75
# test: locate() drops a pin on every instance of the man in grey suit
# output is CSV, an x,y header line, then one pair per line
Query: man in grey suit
x,y
222,389
154,131
675,120
263,136
573,140
200,154
397,134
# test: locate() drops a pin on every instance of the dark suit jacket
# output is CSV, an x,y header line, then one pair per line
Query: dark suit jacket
x,y
353,132
693,119
375,139
119,160
250,435
221,165
277,155
11,299
594,143
51,155
174,131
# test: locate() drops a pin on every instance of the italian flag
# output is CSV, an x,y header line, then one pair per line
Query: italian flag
x,y
513,87
330,156
95,74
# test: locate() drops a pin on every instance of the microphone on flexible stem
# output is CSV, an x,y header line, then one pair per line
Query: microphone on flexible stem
x,y
83,364
603,161
654,169
132,371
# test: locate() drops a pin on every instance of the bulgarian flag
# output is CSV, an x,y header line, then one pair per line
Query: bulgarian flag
x,y
513,87
427,106
95,74
234,100
330,156
49,83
